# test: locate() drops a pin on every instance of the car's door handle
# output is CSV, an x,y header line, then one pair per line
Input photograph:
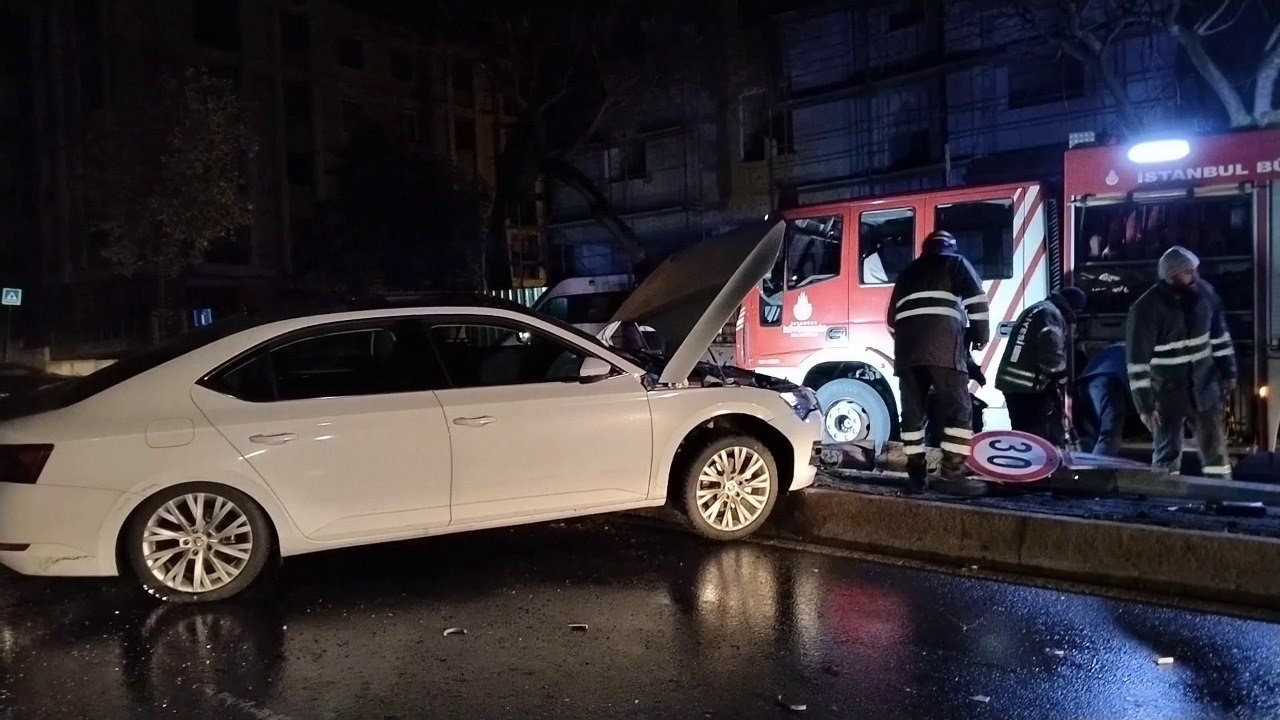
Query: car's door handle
x,y
474,421
277,439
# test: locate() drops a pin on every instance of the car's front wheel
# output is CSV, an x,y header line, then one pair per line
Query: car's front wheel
x,y
198,542
730,486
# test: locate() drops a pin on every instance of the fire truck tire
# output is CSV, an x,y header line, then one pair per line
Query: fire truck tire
x,y
853,410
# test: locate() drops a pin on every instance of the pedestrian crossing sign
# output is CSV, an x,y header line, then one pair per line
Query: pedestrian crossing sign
x,y
11,296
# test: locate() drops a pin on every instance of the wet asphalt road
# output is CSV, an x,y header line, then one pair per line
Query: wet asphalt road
x,y
677,628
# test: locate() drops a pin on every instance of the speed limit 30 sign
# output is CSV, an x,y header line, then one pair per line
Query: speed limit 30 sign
x,y
1013,457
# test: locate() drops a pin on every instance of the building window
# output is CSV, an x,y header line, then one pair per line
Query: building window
x,y
295,35
464,135
351,114
753,130
627,162
752,13
984,234
906,15
523,214
216,23
463,80
301,169
351,53
1041,82
409,126
401,66
886,244
782,133
297,109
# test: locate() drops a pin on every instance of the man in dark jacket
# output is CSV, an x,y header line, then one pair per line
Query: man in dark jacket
x,y
1034,366
1181,363
1104,390
935,297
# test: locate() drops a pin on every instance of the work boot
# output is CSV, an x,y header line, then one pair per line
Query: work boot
x,y
917,476
955,479
965,487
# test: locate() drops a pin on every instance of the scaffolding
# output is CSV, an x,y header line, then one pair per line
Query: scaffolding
x,y
900,96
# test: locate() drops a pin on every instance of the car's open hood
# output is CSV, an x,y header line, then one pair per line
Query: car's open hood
x,y
691,295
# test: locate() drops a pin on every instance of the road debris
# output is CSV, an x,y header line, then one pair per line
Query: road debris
x,y
455,631
793,707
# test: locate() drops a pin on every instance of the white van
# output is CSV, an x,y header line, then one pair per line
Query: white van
x,y
587,302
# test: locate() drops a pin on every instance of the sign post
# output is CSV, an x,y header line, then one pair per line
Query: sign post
x,y
10,298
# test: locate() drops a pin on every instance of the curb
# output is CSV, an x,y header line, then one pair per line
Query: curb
x,y
1217,567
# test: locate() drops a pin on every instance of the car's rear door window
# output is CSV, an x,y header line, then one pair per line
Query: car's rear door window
x,y
343,361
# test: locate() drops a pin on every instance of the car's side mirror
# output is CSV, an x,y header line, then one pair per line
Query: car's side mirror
x,y
594,370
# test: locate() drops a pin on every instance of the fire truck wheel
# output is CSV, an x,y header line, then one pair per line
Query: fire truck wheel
x,y
852,410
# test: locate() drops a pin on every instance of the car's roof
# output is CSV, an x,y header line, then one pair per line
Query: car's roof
x,y
402,300
298,308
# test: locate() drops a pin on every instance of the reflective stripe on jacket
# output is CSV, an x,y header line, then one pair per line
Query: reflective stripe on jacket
x,y
934,300
1179,349
1036,355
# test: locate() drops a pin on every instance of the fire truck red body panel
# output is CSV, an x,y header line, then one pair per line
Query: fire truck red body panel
x,y
822,318
1129,202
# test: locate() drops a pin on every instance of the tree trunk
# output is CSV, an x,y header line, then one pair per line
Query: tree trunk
x,y
1264,85
160,316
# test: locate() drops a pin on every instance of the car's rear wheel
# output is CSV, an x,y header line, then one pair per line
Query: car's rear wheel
x,y
198,542
730,486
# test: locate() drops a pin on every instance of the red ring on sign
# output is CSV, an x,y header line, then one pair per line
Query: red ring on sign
x,y
1052,457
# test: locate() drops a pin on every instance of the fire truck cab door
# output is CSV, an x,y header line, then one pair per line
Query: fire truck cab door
x,y
1001,231
802,305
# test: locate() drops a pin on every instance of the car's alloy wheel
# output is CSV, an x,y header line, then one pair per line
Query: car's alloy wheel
x,y
731,487
198,542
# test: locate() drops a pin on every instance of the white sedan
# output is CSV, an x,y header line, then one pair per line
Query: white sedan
x,y
193,465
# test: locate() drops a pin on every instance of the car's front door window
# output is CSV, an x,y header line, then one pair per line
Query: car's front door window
x,y
477,354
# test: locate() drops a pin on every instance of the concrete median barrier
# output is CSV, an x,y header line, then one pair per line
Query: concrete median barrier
x,y
1217,567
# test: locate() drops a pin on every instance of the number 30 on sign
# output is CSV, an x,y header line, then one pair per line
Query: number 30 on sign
x,y
1012,456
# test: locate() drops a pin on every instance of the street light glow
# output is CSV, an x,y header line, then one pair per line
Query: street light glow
x,y
1157,151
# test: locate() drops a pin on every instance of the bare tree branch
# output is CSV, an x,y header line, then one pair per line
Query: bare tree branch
x,y
1238,115
1202,27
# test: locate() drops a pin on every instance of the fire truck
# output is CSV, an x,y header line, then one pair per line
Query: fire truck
x,y
1126,203
818,319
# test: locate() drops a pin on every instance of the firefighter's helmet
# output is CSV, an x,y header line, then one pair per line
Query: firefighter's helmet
x,y
940,242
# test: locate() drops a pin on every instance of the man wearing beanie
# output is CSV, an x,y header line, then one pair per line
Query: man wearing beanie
x,y
1033,370
1181,363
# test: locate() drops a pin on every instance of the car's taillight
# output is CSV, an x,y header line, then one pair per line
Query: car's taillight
x,y
23,463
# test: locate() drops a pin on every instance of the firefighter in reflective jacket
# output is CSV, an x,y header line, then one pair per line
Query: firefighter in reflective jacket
x,y
935,297
1034,366
1181,363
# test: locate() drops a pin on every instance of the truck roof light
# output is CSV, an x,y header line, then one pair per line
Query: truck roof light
x,y
1158,151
